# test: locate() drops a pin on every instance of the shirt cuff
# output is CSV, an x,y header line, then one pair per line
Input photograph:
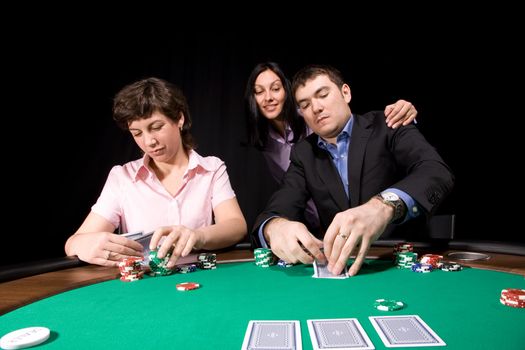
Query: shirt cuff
x,y
261,232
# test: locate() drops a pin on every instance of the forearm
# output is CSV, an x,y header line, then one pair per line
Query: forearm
x,y
70,245
223,234
76,241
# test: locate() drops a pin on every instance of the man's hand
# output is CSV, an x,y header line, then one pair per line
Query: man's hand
x,y
292,242
357,226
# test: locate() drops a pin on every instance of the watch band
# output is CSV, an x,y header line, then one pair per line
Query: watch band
x,y
397,204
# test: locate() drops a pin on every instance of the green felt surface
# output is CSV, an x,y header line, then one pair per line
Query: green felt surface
x,y
463,308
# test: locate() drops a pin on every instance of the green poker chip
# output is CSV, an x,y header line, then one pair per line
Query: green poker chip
x,y
388,304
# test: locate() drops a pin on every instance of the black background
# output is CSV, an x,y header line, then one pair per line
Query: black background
x,y
60,141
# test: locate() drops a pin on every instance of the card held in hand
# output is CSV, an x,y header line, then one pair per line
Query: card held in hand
x,y
338,334
272,335
405,331
144,239
321,271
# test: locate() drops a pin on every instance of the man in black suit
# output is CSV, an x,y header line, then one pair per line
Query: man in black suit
x,y
361,174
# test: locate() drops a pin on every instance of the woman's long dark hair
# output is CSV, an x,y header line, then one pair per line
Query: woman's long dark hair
x,y
257,125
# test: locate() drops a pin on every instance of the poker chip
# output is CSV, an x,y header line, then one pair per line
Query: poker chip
x,y
24,338
513,297
405,260
432,259
283,263
207,261
187,286
402,248
263,257
450,266
187,268
131,269
422,268
388,304
159,266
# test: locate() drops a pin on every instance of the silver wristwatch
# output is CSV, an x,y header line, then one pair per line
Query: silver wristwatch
x,y
393,200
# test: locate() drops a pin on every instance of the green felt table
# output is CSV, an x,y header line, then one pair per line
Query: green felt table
x,y
463,308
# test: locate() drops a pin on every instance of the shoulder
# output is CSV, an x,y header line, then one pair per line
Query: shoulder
x,y
129,167
128,170
209,163
305,149
370,119
307,143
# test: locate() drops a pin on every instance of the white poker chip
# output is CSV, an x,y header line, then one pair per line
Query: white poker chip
x,y
24,338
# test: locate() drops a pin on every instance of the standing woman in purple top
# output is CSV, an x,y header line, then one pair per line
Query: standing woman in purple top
x,y
274,125
172,190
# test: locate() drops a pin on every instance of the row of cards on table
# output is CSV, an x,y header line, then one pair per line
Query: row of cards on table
x,y
340,334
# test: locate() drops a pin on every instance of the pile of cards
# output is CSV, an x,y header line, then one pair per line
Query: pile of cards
x,y
321,271
340,334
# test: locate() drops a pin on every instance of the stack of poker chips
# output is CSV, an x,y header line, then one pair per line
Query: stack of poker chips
x,y
263,257
187,268
406,260
450,266
402,248
159,266
422,267
283,263
431,259
513,297
131,269
207,261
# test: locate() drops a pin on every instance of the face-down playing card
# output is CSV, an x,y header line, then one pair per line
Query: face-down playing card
x,y
405,331
338,334
272,335
321,271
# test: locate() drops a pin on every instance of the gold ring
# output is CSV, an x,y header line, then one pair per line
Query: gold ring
x,y
108,255
343,236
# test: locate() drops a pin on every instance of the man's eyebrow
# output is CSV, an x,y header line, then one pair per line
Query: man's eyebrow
x,y
316,92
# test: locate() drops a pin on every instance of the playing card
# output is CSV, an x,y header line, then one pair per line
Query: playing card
x,y
272,335
405,331
338,334
144,239
321,271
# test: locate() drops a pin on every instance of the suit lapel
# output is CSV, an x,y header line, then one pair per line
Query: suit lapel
x,y
329,175
361,132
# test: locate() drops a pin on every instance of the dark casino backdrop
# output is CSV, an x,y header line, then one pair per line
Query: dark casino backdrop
x,y
63,141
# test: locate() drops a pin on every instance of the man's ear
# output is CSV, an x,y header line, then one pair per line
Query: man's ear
x,y
347,93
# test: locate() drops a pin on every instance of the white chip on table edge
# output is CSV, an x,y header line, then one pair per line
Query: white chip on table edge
x,y
24,338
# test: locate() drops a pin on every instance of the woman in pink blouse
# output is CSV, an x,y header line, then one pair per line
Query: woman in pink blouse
x,y
172,190
274,125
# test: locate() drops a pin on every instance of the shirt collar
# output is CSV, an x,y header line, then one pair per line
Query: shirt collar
x,y
274,135
345,133
195,162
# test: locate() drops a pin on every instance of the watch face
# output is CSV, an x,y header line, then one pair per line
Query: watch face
x,y
390,196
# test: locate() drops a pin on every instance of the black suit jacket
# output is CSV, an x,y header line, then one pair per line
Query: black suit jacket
x,y
379,157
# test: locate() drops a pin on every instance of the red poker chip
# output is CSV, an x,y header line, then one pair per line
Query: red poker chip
x,y
130,279
514,293
187,286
